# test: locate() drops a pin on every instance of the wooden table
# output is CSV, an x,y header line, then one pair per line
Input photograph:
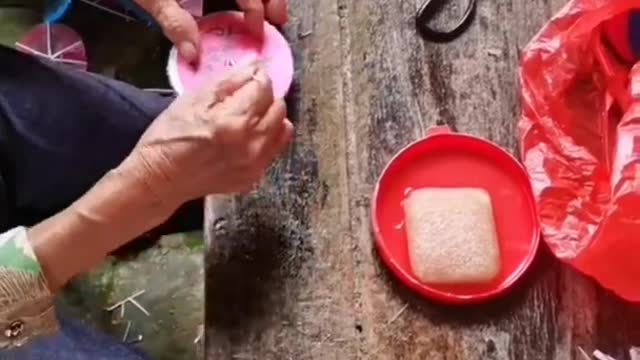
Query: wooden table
x,y
292,270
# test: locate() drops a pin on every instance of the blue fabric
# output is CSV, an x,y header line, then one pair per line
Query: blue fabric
x,y
61,130
55,10
76,341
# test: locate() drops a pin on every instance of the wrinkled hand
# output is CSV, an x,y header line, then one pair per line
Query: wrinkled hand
x,y
180,27
219,140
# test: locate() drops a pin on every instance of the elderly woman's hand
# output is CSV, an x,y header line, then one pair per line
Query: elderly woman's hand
x,y
220,140
180,27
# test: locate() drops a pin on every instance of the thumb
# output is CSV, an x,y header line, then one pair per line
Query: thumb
x,y
177,24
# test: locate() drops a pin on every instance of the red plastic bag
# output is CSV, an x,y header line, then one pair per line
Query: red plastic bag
x,y
580,143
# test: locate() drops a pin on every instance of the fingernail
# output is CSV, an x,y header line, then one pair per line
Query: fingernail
x,y
188,51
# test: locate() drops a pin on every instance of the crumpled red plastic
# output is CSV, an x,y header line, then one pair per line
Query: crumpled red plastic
x,y
580,143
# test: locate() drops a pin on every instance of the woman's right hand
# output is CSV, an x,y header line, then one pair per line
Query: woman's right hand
x,y
221,139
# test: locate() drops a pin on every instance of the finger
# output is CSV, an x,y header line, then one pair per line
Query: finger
x,y
217,90
253,15
263,132
287,134
255,97
276,144
272,120
177,24
277,12
266,151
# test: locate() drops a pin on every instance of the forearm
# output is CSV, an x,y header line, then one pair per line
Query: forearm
x,y
116,210
35,263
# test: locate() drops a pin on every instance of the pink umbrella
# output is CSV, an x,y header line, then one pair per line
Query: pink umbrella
x,y
55,42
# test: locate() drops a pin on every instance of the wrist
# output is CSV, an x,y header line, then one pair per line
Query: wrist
x,y
140,171
119,208
125,197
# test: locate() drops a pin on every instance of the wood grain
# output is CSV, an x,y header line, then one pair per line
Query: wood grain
x,y
280,280
292,271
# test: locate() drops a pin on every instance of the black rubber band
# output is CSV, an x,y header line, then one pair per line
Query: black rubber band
x,y
429,9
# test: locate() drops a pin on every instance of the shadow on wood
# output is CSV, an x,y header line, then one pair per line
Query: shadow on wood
x,y
258,245
245,279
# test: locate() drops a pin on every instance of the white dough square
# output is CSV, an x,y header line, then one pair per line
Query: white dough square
x,y
452,235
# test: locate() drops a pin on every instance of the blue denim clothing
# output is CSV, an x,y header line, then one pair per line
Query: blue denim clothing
x,y
75,341
61,130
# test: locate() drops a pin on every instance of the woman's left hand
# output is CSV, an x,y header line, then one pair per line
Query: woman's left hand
x,y
181,28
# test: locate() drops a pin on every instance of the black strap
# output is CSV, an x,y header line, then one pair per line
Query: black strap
x,y
429,9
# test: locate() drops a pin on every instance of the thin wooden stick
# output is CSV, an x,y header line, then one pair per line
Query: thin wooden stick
x,y
126,332
124,301
140,307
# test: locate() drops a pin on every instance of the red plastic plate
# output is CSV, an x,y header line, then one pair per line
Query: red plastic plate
x,y
226,43
446,159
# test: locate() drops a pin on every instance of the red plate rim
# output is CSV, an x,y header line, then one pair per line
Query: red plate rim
x,y
430,292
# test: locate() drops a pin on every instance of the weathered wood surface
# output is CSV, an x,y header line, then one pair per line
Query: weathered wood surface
x,y
292,270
